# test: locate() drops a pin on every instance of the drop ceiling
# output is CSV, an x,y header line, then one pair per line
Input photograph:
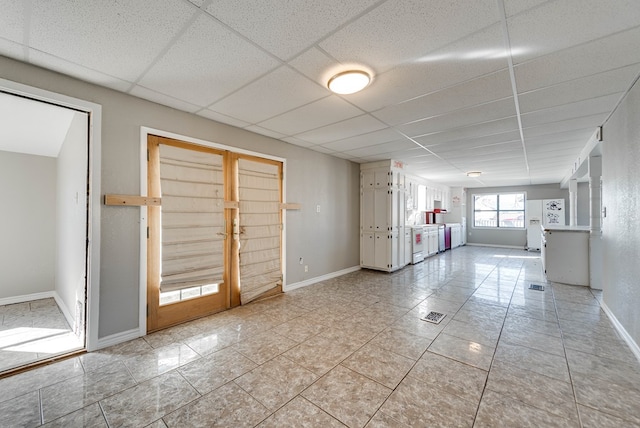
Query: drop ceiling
x,y
513,88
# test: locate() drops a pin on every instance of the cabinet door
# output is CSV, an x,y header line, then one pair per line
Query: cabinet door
x,y
367,249
381,252
395,210
366,180
408,255
382,209
367,210
381,178
395,250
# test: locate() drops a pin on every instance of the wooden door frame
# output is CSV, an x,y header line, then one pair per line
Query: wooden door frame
x,y
144,133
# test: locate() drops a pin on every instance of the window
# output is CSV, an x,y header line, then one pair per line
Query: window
x,y
504,210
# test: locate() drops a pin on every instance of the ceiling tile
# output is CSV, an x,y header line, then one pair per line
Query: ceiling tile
x,y
585,122
347,128
378,149
406,30
364,140
319,113
612,52
263,131
513,7
12,20
474,56
279,91
466,117
608,83
298,142
285,28
588,107
12,50
214,115
207,63
475,141
93,33
148,94
556,25
474,131
488,88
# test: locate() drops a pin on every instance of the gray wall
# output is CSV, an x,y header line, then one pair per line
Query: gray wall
x,y
328,240
27,224
621,226
510,237
71,228
583,212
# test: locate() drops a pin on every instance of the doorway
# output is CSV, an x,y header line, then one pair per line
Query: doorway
x,y
45,145
215,240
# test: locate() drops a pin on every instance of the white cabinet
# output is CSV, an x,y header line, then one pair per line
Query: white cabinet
x,y
431,240
383,201
456,235
408,252
565,254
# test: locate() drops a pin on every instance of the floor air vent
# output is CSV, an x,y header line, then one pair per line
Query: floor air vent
x,y
536,287
434,317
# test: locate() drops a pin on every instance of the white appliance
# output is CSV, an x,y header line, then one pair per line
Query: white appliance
x,y
417,244
533,221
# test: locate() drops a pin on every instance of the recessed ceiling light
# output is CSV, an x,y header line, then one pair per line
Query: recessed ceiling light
x,y
474,173
349,82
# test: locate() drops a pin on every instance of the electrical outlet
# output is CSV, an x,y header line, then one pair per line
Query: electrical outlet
x,y
301,261
317,208
306,268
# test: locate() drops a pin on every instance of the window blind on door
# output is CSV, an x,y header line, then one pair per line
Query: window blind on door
x,y
260,228
192,218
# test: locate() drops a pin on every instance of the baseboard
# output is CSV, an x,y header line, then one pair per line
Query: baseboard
x,y
65,311
117,338
622,331
27,298
514,247
311,281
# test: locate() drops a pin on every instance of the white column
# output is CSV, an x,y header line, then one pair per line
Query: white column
x,y
595,222
573,202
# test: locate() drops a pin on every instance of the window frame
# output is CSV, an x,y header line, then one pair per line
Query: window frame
x,y
498,210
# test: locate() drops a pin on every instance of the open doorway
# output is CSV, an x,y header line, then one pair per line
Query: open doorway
x,y
44,224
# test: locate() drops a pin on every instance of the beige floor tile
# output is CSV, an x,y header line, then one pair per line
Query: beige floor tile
x,y
216,369
534,340
90,416
299,329
348,396
615,371
22,411
592,418
418,404
450,376
264,346
299,412
463,350
159,361
606,346
483,333
401,342
276,382
148,401
545,393
227,406
497,410
382,420
381,365
533,360
607,397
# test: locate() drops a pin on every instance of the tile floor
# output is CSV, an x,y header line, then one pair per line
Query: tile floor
x,y
33,331
352,351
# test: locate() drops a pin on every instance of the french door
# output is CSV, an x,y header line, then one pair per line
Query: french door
x,y
215,240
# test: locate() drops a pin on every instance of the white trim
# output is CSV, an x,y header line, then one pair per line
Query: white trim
x,y
95,170
306,282
117,338
144,132
622,331
515,247
27,298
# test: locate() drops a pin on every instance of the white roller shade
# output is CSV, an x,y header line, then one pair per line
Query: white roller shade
x,y
260,226
192,213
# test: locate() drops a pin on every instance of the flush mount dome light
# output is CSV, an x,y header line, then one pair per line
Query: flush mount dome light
x,y
349,82
474,173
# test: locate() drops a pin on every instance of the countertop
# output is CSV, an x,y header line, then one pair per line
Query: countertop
x,y
559,228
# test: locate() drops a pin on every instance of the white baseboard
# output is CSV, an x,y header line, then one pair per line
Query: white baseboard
x,y
306,282
27,298
114,339
622,331
515,247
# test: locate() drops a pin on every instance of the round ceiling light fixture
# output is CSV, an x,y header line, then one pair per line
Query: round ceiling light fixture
x,y
474,174
349,82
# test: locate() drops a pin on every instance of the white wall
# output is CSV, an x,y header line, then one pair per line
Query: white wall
x,y
71,225
330,238
583,210
621,226
27,224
